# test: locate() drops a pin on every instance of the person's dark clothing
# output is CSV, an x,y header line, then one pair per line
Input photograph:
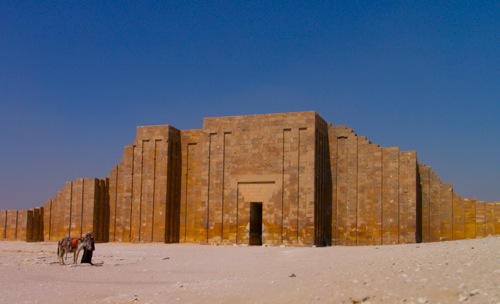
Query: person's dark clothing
x,y
87,254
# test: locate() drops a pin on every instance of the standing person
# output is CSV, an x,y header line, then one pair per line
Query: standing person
x,y
87,253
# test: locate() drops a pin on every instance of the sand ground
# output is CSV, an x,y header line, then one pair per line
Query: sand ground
x,y
446,272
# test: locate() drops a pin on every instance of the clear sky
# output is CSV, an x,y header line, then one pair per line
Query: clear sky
x,y
77,77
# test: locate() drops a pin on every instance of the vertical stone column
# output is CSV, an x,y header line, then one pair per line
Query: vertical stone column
x,y
136,214
445,212
323,186
102,202
295,158
407,197
365,194
290,185
193,216
21,225
38,224
147,191
497,216
229,199
57,218
352,189
30,236
47,220
77,208
425,190
113,200
390,193
173,188
332,135
215,177
159,197
480,220
88,206
34,225
403,199
342,210
305,215
458,218
54,217
3,223
413,236
489,218
65,205
11,225
65,211
434,208
376,185
124,196
469,218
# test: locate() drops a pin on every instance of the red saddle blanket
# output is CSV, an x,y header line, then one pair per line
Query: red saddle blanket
x,y
74,242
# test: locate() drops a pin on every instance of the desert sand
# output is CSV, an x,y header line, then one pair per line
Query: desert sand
x,y
446,272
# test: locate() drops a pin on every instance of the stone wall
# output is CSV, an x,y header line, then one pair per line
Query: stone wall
x,y
236,161
81,206
447,216
374,195
23,225
145,188
275,179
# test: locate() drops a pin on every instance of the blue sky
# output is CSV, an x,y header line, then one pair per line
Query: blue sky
x,y
77,77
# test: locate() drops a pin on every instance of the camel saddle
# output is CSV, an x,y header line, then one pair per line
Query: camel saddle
x,y
74,242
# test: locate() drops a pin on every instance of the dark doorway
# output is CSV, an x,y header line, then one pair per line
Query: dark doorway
x,y
255,224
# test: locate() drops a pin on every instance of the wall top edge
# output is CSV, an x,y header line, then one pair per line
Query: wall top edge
x,y
282,114
156,126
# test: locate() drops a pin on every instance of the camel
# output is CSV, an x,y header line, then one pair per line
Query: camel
x,y
71,245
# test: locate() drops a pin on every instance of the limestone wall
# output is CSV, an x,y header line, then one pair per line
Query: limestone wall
x,y
13,223
266,159
374,195
315,184
448,216
22,225
145,188
81,206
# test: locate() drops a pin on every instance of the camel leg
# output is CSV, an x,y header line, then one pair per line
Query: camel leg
x,y
77,252
61,259
60,254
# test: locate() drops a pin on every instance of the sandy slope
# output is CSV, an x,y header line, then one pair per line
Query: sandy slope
x,y
447,272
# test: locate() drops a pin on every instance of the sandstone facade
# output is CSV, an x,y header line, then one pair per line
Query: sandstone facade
x,y
276,179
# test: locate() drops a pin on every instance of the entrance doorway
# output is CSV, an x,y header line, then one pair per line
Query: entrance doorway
x,y
255,224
